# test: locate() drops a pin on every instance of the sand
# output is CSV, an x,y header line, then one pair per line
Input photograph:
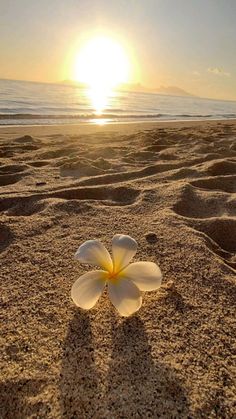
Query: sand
x,y
171,186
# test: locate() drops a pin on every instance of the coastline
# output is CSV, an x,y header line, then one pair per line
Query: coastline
x,y
87,128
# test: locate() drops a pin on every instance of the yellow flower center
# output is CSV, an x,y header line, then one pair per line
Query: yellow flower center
x,y
112,275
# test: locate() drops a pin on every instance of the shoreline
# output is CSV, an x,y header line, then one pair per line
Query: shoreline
x,y
87,128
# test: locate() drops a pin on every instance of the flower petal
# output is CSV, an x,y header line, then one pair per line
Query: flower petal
x,y
125,296
87,289
95,253
123,250
146,275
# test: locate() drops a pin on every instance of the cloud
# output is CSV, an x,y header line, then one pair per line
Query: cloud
x,y
196,73
218,71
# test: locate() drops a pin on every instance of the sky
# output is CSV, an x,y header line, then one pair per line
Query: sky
x,y
190,44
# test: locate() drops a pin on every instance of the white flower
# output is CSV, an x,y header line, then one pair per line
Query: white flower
x,y
124,281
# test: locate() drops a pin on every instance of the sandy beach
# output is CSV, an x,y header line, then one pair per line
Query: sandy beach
x,y
171,186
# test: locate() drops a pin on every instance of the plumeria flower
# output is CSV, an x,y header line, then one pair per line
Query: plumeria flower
x,y
125,281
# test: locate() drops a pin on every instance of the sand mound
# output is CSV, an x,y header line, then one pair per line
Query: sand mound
x,y
25,139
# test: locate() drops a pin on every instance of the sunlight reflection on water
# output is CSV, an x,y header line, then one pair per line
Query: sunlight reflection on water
x,y
100,98
100,121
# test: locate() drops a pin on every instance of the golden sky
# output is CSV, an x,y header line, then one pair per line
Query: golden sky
x,y
186,43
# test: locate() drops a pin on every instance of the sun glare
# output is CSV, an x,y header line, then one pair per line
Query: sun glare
x,y
102,64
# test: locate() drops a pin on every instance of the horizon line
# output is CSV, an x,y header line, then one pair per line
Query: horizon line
x,y
149,90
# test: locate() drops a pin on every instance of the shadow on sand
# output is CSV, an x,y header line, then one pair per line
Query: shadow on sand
x,y
138,385
79,380
135,385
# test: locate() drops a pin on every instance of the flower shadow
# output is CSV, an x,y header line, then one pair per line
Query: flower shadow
x,y
139,386
79,379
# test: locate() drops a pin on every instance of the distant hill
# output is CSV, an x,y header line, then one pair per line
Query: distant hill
x,y
166,90
172,90
137,87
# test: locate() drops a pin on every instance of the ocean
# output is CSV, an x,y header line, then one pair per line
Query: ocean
x,y
32,103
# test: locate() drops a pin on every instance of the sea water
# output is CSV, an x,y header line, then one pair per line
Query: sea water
x,y
32,103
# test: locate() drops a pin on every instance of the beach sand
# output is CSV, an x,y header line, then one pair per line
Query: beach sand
x,y
171,186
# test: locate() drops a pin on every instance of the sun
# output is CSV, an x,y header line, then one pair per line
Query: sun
x,y
102,63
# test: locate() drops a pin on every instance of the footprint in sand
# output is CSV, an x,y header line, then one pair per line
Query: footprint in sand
x,y
213,216
57,153
199,204
113,196
12,168
79,169
25,139
223,167
22,206
39,163
6,236
221,183
10,174
156,148
110,196
10,179
15,149
222,232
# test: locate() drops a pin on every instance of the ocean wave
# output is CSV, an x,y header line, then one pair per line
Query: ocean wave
x,y
78,116
9,118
